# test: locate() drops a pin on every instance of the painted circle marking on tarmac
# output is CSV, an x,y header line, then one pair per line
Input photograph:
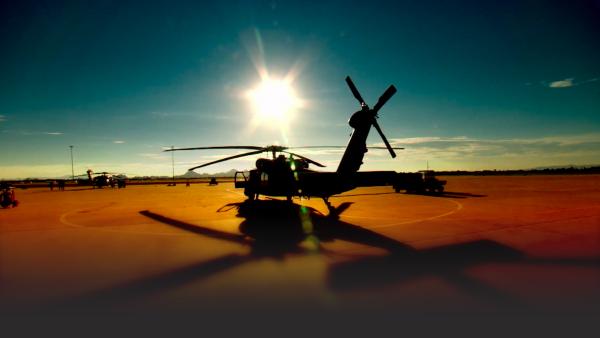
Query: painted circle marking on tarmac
x,y
458,207
64,220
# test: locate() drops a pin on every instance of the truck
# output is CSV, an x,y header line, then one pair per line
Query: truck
x,y
422,182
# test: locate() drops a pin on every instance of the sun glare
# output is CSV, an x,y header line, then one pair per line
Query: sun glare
x,y
274,101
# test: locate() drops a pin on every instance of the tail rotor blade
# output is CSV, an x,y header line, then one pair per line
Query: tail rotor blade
x,y
355,91
384,98
387,144
396,148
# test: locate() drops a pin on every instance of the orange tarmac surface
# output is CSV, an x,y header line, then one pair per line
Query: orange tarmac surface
x,y
529,243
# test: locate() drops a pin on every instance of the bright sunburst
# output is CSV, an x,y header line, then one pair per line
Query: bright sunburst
x,y
274,101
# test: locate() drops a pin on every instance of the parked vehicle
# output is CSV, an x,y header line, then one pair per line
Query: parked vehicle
x,y
7,196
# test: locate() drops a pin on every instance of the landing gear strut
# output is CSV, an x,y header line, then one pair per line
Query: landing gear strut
x,y
251,194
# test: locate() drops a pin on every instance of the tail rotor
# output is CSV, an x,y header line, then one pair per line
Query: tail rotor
x,y
382,100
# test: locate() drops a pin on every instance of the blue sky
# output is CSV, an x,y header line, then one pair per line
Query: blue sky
x,y
481,84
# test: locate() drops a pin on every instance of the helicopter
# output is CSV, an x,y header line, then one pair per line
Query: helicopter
x,y
289,176
101,179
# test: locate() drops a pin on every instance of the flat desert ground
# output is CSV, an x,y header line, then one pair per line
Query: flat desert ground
x,y
490,244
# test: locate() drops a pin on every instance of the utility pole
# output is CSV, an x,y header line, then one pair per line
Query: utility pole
x,y
72,171
173,162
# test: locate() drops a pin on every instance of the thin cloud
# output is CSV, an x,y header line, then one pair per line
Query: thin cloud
x,y
425,139
33,133
564,140
118,142
566,83
2,118
460,148
154,156
594,79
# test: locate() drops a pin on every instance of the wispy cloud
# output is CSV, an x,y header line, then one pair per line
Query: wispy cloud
x,y
118,141
162,114
594,79
2,118
570,82
463,147
561,83
155,156
32,132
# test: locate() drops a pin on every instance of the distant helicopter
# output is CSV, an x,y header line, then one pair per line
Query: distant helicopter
x,y
101,179
290,177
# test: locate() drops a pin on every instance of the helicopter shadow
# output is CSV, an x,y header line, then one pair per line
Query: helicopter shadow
x,y
277,229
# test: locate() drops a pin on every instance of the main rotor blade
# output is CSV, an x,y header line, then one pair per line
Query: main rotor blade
x,y
228,158
218,147
355,91
305,158
335,147
309,147
387,144
384,98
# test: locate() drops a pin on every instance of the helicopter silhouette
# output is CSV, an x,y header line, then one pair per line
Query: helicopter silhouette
x,y
101,179
290,176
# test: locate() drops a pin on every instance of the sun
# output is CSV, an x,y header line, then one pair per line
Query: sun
x,y
274,100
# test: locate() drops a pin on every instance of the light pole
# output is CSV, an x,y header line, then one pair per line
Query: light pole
x,y
72,171
173,163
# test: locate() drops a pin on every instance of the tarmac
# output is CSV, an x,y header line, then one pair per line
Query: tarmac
x,y
518,244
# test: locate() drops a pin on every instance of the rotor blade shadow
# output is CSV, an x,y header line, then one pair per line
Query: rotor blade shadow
x,y
591,262
447,262
331,228
121,295
240,239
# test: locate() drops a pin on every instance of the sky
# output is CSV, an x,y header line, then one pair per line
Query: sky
x,y
481,84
